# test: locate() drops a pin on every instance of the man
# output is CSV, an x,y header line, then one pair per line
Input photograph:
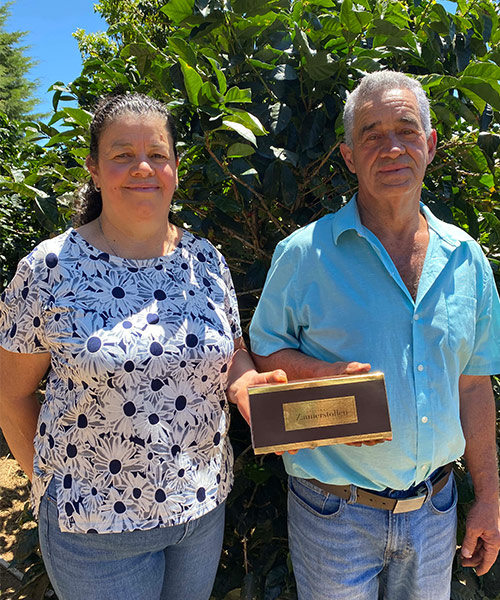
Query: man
x,y
383,284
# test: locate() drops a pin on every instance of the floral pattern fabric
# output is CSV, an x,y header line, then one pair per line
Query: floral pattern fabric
x,y
134,423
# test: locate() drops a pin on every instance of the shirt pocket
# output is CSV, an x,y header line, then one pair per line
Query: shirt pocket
x,y
461,313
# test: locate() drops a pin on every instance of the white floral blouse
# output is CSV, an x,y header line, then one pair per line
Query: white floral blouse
x,y
135,419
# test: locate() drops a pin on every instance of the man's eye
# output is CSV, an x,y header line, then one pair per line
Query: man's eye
x,y
160,156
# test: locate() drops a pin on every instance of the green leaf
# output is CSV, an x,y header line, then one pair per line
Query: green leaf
x,y
303,42
209,94
285,155
241,129
284,73
79,116
178,10
247,119
281,115
221,79
259,64
236,94
183,50
493,221
238,150
192,81
321,66
483,71
488,92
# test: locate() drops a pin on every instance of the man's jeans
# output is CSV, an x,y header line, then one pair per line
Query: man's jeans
x,y
346,551
165,563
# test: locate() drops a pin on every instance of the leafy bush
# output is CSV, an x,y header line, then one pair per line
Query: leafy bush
x,y
258,87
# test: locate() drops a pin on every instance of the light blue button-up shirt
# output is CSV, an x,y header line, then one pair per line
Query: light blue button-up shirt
x,y
333,293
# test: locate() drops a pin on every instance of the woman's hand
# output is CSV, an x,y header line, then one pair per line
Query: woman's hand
x,y
242,374
237,391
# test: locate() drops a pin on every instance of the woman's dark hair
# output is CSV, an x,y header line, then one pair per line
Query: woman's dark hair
x,y
107,110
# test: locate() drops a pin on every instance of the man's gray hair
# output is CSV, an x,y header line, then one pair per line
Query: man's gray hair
x,y
374,83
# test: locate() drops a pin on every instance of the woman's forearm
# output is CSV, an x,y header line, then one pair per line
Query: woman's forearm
x,y
18,421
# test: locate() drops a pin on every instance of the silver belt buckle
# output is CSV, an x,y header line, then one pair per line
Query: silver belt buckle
x,y
408,504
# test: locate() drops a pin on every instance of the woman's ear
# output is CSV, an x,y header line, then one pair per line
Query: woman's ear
x,y
93,170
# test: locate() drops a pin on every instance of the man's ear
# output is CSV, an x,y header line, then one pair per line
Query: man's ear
x,y
93,170
347,155
431,146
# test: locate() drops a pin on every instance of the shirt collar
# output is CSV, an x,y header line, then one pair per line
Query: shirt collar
x,y
347,218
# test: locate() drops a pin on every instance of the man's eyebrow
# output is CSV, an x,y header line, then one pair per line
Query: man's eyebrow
x,y
407,120
370,126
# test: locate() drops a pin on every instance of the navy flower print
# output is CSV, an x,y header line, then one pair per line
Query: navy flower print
x,y
135,419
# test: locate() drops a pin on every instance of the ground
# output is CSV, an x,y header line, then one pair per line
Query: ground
x,y
13,497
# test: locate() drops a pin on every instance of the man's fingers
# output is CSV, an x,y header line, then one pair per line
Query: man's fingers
x,y
354,367
482,559
277,376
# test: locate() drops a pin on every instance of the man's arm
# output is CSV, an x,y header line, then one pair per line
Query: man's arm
x,y
298,365
301,366
477,413
20,375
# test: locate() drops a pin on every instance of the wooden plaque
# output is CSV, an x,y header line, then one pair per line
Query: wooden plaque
x,y
319,412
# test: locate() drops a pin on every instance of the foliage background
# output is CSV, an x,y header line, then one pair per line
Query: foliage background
x,y
258,87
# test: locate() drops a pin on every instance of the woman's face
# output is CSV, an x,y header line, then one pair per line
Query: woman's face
x,y
136,168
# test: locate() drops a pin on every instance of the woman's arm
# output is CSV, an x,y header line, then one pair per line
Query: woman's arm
x,y
20,376
242,374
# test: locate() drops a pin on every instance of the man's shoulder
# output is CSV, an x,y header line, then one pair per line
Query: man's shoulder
x,y
453,234
309,236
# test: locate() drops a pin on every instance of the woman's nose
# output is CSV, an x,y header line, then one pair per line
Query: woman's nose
x,y
142,166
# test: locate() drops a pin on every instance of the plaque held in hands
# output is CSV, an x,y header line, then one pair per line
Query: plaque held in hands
x,y
319,412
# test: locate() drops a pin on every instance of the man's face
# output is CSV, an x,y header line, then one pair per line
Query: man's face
x,y
390,150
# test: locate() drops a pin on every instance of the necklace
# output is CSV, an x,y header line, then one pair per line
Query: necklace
x,y
115,253
169,248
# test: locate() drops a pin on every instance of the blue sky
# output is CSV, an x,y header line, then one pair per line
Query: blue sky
x,y
49,25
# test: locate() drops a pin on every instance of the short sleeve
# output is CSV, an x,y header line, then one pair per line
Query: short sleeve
x,y
21,314
485,358
230,301
275,324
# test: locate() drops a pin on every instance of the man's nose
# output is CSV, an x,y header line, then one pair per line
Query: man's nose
x,y
393,145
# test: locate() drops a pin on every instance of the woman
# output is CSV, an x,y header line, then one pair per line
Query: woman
x,y
138,323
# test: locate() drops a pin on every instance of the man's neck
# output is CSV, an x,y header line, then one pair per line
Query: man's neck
x,y
395,219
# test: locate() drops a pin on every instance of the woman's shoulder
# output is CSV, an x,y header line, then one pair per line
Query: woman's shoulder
x,y
202,249
50,250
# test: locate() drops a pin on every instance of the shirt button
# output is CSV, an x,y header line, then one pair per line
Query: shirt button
x,y
424,419
423,467
420,368
416,317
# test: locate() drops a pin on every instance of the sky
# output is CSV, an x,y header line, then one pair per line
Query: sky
x,y
49,25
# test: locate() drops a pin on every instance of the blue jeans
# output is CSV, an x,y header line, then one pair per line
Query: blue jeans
x,y
346,551
165,563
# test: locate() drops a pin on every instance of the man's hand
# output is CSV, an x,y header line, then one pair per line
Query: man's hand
x,y
482,537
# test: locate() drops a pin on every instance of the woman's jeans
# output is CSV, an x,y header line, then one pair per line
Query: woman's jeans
x,y
346,551
165,563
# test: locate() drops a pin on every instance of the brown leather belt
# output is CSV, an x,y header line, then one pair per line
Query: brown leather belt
x,y
396,505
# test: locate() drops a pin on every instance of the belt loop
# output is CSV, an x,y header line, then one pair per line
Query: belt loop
x,y
428,485
353,498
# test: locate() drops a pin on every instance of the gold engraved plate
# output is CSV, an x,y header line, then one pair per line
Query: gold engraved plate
x,y
320,413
